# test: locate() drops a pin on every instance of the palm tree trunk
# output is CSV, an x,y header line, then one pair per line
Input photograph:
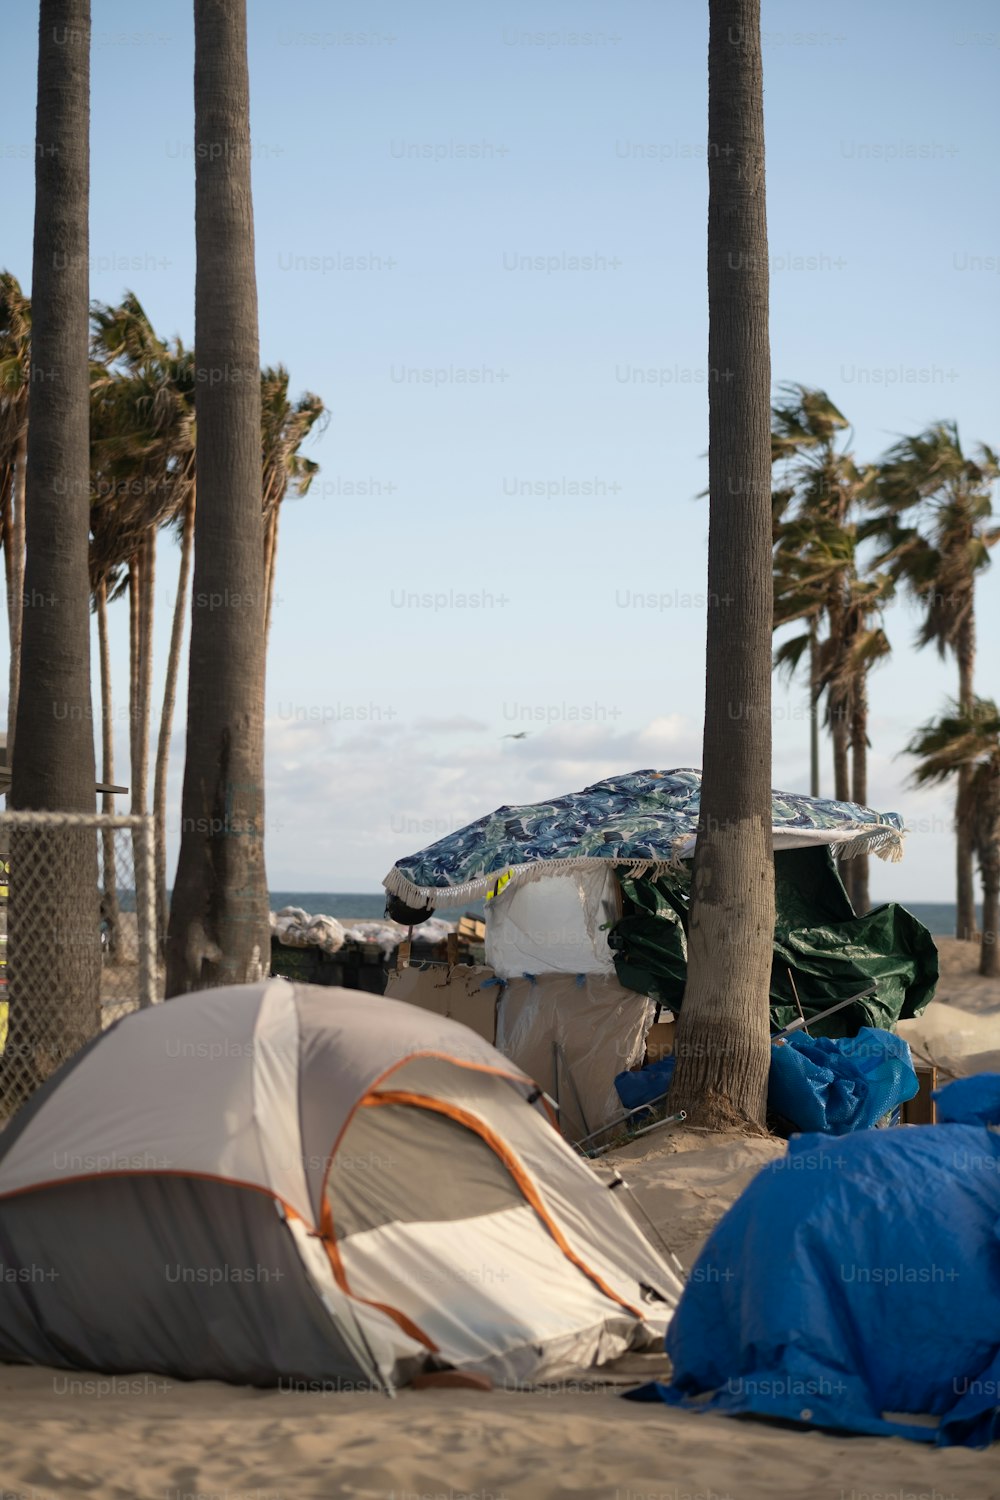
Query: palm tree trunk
x,y
989,957
144,673
271,561
218,929
110,905
814,692
723,1045
134,677
966,925
16,585
840,734
54,924
858,867
6,538
167,719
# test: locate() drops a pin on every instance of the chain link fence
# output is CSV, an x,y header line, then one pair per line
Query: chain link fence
x,y
78,945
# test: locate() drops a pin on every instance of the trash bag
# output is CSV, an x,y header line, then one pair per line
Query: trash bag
x,y
838,1084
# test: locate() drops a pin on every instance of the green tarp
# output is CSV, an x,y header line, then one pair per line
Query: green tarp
x,y
830,952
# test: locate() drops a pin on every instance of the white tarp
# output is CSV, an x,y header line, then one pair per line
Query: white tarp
x,y
554,925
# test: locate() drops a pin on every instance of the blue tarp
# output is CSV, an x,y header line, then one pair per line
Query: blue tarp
x,y
838,1084
827,1084
856,1279
970,1101
641,1085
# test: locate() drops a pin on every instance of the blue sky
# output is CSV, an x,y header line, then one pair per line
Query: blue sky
x,y
475,225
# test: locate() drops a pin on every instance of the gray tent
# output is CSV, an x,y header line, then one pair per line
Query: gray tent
x,y
274,1183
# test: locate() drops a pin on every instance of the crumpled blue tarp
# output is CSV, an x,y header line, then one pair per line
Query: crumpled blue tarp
x,y
828,1084
855,1278
838,1084
642,1084
970,1101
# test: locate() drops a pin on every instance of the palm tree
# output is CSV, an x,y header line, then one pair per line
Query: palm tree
x,y
167,711
143,460
817,581
965,743
218,929
54,921
15,384
862,645
935,521
814,548
723,1046
284,428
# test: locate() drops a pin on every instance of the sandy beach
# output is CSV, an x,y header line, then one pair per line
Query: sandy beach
x,y
143,1436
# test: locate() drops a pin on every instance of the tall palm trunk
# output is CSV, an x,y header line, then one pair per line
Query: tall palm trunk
x,y
966,925
218,929
723,1045
15,584
167,719
840,735
54,943
110,904
857,868
134,674
271,561
814,692
144,672
989,868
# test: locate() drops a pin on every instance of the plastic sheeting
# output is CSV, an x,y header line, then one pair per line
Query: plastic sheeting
x,y
599,1028
836,1085
854,1284
555,925
831,953
970,1101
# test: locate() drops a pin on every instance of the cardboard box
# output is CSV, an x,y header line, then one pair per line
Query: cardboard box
x,y
921,1109
453,992
660,1040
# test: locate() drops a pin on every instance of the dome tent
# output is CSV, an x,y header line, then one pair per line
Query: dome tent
x,y
271,1183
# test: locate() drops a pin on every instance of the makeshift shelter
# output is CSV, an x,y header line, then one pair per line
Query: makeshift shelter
x,y
272,1183
855,1285
596,885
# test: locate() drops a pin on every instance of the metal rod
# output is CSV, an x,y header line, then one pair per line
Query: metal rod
x,y
569,1074
620,1119
798,1002
670,1120
822,1014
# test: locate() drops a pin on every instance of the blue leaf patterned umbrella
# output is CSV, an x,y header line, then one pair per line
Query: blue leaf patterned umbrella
x,y
644,820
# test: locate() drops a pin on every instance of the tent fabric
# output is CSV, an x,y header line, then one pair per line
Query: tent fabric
x,y
836,1085
554,926
171,1275
643,819
359,1157
820,947
855,1286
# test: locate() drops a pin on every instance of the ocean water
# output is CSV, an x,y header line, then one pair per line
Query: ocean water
x,y
937,916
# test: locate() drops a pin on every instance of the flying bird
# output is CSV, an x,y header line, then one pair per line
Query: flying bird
x,y
522,734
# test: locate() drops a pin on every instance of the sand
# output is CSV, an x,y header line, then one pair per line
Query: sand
x,y
64,1434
